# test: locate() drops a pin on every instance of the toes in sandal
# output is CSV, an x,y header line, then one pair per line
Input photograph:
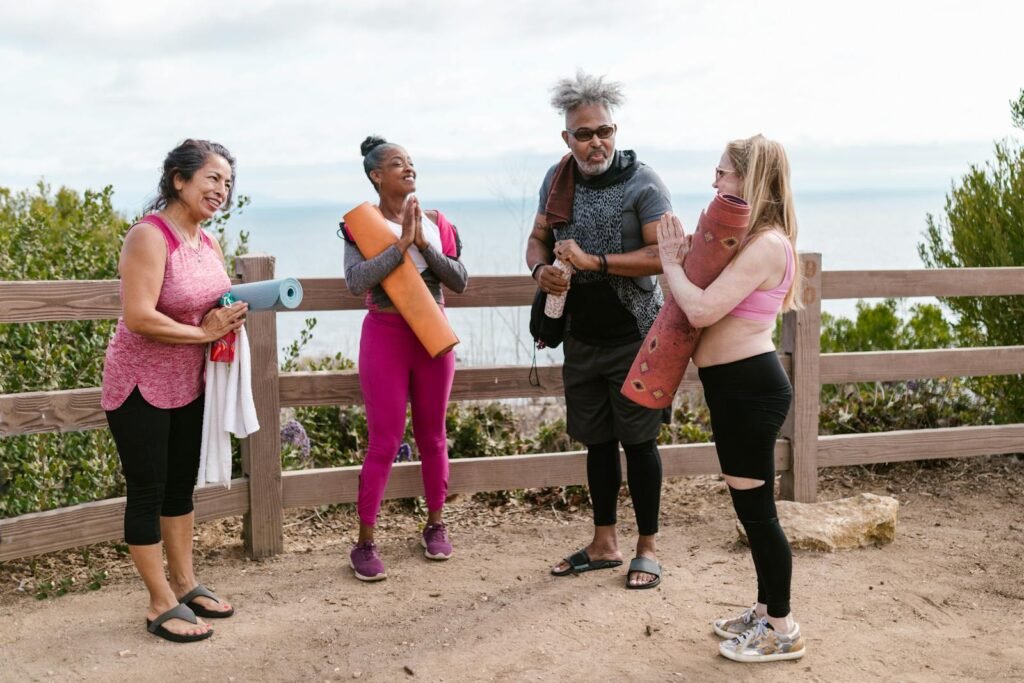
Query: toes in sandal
x,y
643,565
179,611
580,562
201,591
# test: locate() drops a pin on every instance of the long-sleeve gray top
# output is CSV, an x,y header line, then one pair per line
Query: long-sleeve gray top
x,y
362,275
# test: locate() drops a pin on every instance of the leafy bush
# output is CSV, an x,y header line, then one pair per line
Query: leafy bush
x,y
886,406
56,236
984,227
334,435
484,430
880,327
62,235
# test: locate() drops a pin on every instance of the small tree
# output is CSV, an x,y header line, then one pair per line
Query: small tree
x,y
984,227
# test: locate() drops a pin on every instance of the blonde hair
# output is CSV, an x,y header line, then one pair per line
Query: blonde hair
x,y
764,168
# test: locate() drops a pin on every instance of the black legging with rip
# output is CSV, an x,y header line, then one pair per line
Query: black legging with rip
x,y
604,477
748,401
159,451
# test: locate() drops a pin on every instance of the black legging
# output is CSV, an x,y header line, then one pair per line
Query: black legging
x,y
748,401
604,476
159,450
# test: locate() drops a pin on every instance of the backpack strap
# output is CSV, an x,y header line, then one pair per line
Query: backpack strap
x,y
451,245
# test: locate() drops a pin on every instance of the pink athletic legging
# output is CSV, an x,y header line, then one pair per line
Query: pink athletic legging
x,y
394,368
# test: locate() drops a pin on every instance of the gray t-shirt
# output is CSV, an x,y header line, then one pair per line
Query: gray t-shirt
x,y
645,200
608,310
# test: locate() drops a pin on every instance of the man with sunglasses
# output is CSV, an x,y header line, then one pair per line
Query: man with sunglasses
x,y
599,210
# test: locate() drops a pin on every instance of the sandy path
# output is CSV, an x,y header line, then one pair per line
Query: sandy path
x,y
942,602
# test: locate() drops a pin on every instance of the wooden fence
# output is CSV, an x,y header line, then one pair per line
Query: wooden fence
x,y
265,491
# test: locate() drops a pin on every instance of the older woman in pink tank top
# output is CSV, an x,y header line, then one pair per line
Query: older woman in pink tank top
x,y
172,274
747,391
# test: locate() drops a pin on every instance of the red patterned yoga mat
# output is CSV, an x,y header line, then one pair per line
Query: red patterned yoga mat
x,y
659,366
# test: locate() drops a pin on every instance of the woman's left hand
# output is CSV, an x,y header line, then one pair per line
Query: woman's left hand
x,y
673,243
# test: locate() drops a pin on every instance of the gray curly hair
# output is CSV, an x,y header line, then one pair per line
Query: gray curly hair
x,y
568,93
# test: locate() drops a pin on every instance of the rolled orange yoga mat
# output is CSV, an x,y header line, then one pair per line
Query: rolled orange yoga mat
x,y
404,285
659,366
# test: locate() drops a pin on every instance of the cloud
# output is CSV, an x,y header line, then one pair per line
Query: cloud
x,y
102,89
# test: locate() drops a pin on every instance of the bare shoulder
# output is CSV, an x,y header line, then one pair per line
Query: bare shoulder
x,y
764,257
144,250
144,236
768,243
431,214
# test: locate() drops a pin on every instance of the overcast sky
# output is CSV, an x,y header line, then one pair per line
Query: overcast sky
x,y
865,93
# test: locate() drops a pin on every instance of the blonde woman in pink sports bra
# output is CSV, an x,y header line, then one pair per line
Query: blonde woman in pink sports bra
x,y
172,274
747,391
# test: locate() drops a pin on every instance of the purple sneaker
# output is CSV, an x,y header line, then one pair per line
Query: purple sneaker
x,y
435,540
366,562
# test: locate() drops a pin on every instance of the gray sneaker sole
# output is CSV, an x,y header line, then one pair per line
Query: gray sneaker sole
x,y
755,659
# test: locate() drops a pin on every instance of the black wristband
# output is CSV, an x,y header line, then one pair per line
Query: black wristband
x,y
604,264
536,267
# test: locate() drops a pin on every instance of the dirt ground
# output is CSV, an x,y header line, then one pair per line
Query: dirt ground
x,y
943,602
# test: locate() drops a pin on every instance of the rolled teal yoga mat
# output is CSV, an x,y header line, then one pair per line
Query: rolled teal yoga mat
x,y
270,295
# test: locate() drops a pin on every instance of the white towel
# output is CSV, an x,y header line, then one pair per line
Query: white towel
x,y
228,408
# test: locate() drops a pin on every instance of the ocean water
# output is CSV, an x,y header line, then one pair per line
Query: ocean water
x,y
852,231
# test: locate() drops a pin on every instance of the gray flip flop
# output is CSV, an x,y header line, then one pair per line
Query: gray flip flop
x,y
179,611
202,591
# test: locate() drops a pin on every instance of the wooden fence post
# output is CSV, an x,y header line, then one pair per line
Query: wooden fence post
x,y
801,340
263,525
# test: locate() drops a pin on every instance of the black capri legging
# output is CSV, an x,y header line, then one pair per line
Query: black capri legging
x,y
748,400
159,450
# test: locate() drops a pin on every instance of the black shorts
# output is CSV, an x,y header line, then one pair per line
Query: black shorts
x,y
748,400
596,410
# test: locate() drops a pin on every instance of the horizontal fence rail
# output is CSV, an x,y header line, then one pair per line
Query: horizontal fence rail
x,y
103,520
941,282
41,301
266,490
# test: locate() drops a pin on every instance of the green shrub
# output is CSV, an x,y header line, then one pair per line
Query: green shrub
x,y
887,406
880,327
56,236
62,235
983,226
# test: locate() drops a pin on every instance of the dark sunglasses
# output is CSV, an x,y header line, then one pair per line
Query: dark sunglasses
x,y
586,134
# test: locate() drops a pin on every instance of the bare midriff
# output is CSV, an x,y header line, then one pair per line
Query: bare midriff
x,y
732,339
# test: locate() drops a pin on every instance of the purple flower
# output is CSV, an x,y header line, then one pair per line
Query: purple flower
x,y
404,453
294,434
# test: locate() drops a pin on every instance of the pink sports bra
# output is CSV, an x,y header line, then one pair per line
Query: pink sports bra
x,y
764,304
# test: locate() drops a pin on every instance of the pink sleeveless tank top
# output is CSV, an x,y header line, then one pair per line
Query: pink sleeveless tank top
x,y
764,304
167,375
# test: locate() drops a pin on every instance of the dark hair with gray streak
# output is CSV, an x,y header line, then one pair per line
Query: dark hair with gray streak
x,y
185,160
569,93
373,149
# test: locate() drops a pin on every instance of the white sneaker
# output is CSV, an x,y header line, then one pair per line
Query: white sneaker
x,y
761,643
730,628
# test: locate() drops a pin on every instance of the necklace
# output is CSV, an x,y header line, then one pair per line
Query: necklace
x,y
196,248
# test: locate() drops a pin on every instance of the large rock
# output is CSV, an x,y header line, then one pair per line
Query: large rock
x,y
842,524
